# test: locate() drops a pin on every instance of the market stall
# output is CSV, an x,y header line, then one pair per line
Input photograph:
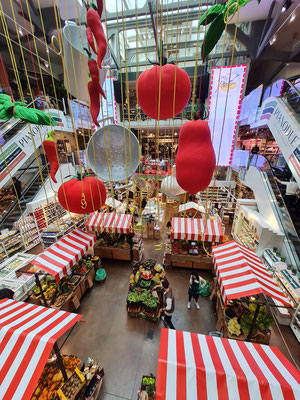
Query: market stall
x,y
141,301
241,275
191,241
152,219
193,366
114,237
28,370
63,272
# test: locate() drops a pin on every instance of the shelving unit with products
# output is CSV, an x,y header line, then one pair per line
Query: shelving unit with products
x,y
252,230
29,232
61,227
47,214
10,243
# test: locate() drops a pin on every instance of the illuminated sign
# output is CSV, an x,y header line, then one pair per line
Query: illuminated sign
x,y
224,108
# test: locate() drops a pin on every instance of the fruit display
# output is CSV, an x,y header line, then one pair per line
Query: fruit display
x,y
142,301
72,386
118,240
185,247
147,389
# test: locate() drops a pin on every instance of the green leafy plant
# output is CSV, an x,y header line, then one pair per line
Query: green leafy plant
x,y
263,322
289,266
294,271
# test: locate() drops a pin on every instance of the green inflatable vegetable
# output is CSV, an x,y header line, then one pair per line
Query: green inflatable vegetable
x,y
10,108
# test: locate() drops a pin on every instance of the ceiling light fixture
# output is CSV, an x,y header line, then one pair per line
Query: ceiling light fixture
x,y
46,64
293,16
283,9
47,50
20,32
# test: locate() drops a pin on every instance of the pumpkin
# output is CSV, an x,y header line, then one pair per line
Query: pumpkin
x,y
195,159
148,91
82,196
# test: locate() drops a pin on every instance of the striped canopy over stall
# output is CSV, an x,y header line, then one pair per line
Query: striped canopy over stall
x,y
109,222
241,273
199,367
27,335
209,230
61,256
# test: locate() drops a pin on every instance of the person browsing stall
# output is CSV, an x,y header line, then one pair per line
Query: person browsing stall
x,y
193,292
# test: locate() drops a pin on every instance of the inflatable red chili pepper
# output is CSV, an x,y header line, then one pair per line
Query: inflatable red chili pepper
x,y
100,7
94,72
90,39
51,153
94,102
94,23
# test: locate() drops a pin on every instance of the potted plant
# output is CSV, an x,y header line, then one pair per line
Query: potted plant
x,y
294,271
289,266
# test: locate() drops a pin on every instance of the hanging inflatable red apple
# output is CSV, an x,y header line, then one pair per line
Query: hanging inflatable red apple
x,y
168,77
195,159
82,196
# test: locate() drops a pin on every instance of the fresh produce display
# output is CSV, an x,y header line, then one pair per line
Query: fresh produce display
x,y
142,301
119,240
240,317
73,385
148,387
234,328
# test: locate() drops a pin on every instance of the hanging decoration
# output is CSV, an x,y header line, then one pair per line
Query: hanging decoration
x,y
52,154
158,88
93,20
195,160
216,17
17,109
95,29
82,194
170,184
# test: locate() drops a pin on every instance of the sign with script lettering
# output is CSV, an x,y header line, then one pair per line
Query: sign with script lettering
x,y
286,132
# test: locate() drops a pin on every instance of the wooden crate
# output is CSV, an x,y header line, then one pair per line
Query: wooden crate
x,y
203,263
121,254
91,273
103,252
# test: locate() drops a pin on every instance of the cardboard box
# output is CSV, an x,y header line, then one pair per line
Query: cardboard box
x,y
82,287
121,254
77,291
91,273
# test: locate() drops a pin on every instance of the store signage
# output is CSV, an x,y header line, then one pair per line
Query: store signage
x,y
286,131
19,149
224,107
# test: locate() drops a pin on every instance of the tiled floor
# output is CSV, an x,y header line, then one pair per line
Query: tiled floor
x,y
120,342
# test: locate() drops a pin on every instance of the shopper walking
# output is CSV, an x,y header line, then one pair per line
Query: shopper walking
x,y
168,304
193,291
17,188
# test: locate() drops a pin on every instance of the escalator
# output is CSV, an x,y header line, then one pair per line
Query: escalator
x,y
281,114
282,211
13,212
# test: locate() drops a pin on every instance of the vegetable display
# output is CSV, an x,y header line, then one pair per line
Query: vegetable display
x,y
10,108
50,148
195,159
163,92
82,194
234,328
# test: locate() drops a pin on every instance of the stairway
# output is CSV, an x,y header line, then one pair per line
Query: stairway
x,y
13,212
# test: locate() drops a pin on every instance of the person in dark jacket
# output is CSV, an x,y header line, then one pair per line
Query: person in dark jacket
x,y
17,188
193,291
168,304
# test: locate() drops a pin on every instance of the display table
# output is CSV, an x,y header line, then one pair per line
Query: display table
x,y
113,252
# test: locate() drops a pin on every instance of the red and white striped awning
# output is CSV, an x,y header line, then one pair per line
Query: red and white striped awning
x,y
241,273
109,222
209,230
27,335
199,367
61,256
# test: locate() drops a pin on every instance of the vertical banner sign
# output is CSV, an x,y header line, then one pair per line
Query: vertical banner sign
x,y
225,98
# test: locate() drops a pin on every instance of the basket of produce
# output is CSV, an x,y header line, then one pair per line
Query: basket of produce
x,y
150,303
72,386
